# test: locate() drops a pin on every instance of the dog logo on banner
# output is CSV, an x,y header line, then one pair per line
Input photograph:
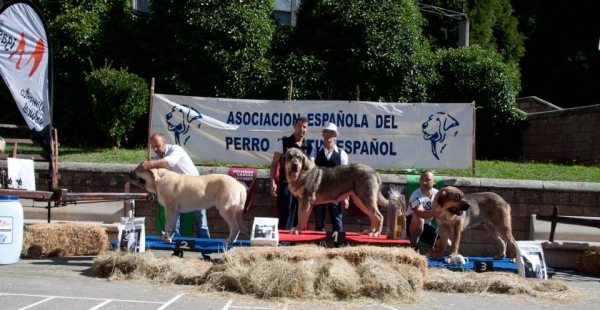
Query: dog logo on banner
x,y
436,128
179,121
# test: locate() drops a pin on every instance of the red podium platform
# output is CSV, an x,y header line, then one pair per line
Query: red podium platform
x,y
315,236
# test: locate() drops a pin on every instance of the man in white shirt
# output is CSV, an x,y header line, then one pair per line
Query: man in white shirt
x,y
175,158
419,212
329,155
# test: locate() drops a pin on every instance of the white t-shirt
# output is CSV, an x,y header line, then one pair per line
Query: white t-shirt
x,y
179,161
418,198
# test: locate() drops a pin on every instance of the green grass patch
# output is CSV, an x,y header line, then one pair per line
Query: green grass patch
x,y
484,169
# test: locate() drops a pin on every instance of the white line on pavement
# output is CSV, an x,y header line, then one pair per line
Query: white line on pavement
x,y
170,302
101,305
37,303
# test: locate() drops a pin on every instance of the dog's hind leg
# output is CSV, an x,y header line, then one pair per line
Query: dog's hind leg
x,y
374,215
228,213
505,233
495,235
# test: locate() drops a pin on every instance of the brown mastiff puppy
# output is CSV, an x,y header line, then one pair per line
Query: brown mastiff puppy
x,y
317,185
460,211
181,193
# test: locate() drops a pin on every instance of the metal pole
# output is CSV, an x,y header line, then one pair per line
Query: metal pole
x,y
150,118
463,32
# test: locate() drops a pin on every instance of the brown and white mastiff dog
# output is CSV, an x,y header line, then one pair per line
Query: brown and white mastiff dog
x,y
459,211
318,185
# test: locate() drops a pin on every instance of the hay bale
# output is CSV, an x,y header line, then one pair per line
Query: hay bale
x,y
338,280
121,265
263,278
394,255
589,262
63,239
296,253
446,281
385,281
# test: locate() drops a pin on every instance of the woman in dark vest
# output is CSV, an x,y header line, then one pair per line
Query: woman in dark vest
x,y
329,155
287,204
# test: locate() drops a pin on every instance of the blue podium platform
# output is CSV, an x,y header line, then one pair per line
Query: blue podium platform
x,y
206,246
498,264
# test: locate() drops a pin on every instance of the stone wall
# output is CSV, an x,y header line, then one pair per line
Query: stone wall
x,y
525,197
568,136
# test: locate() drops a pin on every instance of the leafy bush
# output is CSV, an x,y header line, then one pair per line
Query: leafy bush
x,y
118,100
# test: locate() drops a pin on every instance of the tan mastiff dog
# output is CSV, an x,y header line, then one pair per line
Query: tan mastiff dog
x,y
181,193
460,211
318,185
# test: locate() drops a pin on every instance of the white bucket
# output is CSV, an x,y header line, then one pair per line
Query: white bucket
x,y
11,229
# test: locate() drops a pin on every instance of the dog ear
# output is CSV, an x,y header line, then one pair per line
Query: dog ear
x,y
305,163
438,201
155,174
308,163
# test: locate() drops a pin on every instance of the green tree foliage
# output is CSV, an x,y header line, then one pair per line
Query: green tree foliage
x,y
492,26
474,74
212,47
376,44
84,31
118,99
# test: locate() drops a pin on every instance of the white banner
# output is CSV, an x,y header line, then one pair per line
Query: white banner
x,y
24,61
381,135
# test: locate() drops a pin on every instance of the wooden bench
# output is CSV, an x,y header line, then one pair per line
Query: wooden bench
x,y
23,141
52,160
563,244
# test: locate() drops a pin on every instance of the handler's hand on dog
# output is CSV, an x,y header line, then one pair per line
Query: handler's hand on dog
x,y
144,166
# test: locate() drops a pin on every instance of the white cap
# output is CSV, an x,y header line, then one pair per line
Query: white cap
x,y
332,127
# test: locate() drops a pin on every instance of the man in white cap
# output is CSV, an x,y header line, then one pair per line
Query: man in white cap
x,y
329,155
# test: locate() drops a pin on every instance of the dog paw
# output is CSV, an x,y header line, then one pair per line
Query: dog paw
x,y
436,258
370,233
294,231
499,256
513,260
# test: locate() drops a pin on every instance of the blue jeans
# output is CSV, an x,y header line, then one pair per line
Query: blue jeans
x,y
287,207
200,221
335,213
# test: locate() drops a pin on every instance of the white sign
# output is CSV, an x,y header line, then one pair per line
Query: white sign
x,y
21,172
381,135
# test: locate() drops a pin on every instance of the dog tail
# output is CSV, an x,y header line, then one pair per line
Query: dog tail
x,y
381,200
239,216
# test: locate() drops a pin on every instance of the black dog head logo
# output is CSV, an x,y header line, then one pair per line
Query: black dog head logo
x,y
179,120
435,130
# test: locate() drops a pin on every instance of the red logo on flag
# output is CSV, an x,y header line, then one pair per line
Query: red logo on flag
x,y
37,54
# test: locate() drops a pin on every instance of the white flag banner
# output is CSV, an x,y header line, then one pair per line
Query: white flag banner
x,y
381,135
24,59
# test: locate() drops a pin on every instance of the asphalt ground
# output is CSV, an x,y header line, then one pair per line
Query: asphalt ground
x,y
68,283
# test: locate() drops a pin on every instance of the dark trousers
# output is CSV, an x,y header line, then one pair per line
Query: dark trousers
x,y
287,207
335,213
